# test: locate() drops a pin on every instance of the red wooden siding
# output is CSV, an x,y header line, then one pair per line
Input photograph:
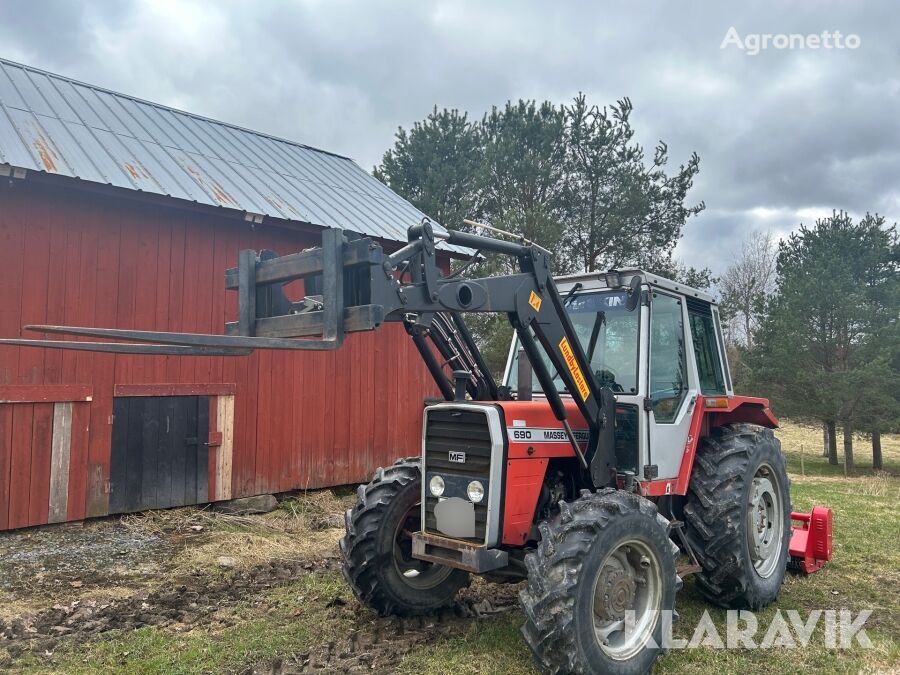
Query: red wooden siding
x,y
77,258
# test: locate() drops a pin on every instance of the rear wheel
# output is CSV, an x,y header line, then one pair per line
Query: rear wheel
x,y
377,547
738,516
598,586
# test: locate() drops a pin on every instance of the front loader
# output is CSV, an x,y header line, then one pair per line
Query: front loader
x,y
614,447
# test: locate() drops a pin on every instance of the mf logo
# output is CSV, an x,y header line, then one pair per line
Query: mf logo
x,y
455,456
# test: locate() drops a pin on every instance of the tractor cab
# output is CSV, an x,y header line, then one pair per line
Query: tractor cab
x,y
658,353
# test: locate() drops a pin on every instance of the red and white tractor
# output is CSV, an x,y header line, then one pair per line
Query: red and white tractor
x,y
615,446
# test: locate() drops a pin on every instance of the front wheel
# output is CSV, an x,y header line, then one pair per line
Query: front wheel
x,y
377,547
599,586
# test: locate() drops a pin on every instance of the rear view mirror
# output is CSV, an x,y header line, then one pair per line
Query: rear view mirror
x,y
634,293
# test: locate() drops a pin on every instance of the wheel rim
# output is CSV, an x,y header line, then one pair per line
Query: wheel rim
x,y
418,574
627,599
765,521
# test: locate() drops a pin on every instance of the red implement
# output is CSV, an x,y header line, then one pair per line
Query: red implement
x,y
810,546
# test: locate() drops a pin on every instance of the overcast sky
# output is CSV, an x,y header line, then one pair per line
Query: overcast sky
x,y
784,136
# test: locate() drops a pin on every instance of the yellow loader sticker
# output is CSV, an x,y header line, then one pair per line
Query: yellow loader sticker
x,y
577,375
535,301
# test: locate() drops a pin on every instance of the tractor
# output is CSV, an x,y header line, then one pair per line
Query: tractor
x,y
613,459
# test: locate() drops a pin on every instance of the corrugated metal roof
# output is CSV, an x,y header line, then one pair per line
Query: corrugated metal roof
x,y
57,125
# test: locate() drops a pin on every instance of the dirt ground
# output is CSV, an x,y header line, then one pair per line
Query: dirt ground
x,y
181,569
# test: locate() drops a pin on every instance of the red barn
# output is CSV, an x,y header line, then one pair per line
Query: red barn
x,y
122,213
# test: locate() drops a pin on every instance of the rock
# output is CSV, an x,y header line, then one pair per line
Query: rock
x,y
247,505
226,562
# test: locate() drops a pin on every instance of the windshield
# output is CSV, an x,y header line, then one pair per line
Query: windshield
x,y
608,333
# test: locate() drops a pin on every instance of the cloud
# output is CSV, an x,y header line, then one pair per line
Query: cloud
x,y
782,135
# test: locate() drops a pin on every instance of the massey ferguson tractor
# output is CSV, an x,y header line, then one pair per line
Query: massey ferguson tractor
x,y
614,448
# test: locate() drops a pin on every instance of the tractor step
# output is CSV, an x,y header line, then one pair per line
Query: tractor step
x,y
462,555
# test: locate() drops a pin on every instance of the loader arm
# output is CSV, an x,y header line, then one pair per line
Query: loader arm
x,y
352,285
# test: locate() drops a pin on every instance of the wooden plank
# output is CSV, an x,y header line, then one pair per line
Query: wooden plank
x,y
144,308
163,264
12,260
217,306
34,289
118,473
174,389
78,460
102,366
176,290
60,462
72,286
191,441
299,365
149,456
82,305
127,284
134,466
164,453
264,431
20,468
6,446
215,440
193,244
45,393
225,417
56,292
203,310
41,451
178,453
201,491
381,348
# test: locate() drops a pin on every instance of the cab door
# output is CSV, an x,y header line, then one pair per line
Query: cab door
x,y
671,385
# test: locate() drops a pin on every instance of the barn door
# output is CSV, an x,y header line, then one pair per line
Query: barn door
x,y
160,452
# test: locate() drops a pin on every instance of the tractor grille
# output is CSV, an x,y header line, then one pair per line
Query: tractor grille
x,y
448,430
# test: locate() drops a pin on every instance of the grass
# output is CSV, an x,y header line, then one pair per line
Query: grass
x,y
798,440
298,529
301,615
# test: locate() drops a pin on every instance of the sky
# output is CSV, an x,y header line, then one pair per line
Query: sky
x,y
785,134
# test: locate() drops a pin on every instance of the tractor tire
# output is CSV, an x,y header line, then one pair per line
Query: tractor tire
x,y
377,547
738,516
605,553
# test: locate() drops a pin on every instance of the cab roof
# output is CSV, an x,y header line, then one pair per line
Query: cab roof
x,y
595,280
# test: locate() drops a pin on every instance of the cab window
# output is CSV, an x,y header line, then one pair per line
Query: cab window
x,y
706,349
668,369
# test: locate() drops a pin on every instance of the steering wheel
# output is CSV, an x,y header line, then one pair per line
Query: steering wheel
x,y
607,378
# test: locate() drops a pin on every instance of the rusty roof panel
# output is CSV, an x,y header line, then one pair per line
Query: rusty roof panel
x,y
56,125
12,148
69,147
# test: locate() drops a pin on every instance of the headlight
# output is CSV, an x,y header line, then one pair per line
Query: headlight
x,y
475,491
436,485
